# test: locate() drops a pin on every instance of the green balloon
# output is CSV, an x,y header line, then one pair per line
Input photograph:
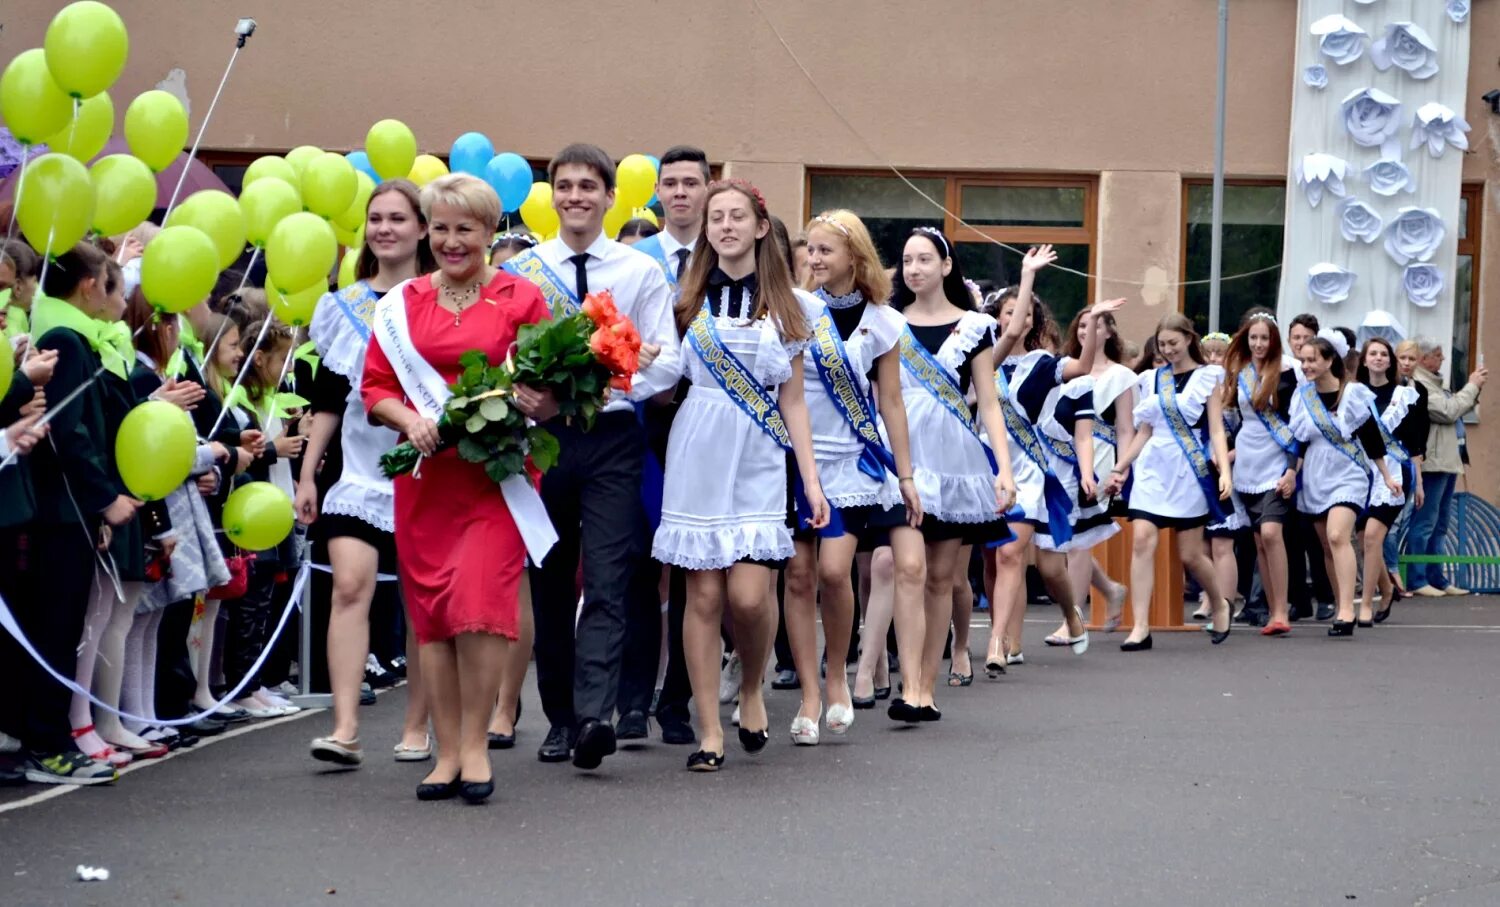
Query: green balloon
x,y
300,252
155,449
156,128
31,103
86,47
178,268
216,213
124,192
269,165
57,204
266,203
258,516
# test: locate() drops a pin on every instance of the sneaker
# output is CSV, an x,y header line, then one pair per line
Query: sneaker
x,y
730,678
377,676
1455,590
68,768
398,666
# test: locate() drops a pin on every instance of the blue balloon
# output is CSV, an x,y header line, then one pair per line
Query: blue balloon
x,y
361,162
510,176
471,152
655,162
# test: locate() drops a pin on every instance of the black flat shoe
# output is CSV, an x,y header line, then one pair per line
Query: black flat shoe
x,y
754,741
882,692
703,761
901,710
595,741
862,702
1385,612
1218,636
502,741
446,791
1141,645
1365,624
929,713
1341,628
476,791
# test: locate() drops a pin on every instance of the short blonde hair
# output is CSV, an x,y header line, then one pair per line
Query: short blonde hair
x,y
469,194
870,276
1409,346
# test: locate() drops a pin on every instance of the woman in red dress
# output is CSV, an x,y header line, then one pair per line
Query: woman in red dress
x,y
461,555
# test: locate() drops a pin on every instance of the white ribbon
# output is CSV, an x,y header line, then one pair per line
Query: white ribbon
x,y
428,392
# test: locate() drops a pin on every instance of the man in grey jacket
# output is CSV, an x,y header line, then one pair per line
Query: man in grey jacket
x,y
1440,469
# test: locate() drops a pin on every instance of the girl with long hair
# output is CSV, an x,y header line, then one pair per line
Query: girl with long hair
x,y
1174,484
724,507
1336,420
1400,411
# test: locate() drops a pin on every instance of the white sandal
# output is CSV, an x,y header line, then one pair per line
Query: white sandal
x,y
805,730
840,716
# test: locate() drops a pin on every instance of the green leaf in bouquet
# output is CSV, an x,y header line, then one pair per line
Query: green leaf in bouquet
x,y
496,471
472,451
474,358
493,409
475,423
512,461
458,402
545,448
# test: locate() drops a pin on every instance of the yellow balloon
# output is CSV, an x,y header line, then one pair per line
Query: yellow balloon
x,y
269,165
298,157
31,103
352,239
537,211
124,193
216,213
8,363
156,128
88,133
265,203
86,47
155,449
347,267
426,168
57,203
392,148
615,218
328,184
295,309
300,253
645,214
353,217
178,268
257,516
635,181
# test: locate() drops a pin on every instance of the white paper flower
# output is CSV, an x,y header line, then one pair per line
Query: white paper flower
x,y
1458,10
1320,171
1328,283
1371,116
1406,46
1315,76
1438,126
1358,221
1414,234
1339,39
1387,177
1423,284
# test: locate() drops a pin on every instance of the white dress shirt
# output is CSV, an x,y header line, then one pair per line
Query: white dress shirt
x,y
669,247
641,293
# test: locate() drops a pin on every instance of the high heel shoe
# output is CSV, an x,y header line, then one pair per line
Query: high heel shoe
x,y
994,661
840,717
1341,628
805,730
1218,636
1141,645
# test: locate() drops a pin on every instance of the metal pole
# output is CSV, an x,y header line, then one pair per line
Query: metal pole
x,y
1216,250
305,697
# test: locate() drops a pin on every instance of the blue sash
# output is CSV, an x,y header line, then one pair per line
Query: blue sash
x,y
740,386
858,409
560,295
1029,439
1188,442
934,378
1323,419
1279,430
1106,433
651,245
357,302
1392,446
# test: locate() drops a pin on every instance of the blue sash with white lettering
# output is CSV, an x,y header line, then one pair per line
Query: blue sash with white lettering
x,y
651,245
934,378
1188,442
1323,419
1276,426
857,408
560,294
740,386
357,302
1029,439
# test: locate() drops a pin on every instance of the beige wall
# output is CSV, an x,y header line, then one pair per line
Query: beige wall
x,y
1123,88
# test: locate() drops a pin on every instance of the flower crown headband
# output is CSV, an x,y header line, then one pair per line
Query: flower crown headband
x,y
937,234
825,219
1218,336
744,186
1263,316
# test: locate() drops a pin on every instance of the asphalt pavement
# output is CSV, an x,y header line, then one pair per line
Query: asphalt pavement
x,y
1303,770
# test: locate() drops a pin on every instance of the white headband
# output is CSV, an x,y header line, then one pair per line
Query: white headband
x,y
1336,340
937,235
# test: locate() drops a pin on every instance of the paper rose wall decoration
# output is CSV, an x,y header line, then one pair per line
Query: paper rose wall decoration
x,y
1328,283
1371,117
1359,222
1315,76
1406,46
1387,177
1319,172
1339,39
1458,10
1438,126
1423,284
1414,234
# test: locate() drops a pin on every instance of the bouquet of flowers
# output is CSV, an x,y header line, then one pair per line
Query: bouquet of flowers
x,y
578,358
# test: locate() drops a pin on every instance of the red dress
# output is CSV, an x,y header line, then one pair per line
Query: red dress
x,y
460,554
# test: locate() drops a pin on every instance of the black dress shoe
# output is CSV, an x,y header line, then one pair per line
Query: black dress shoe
x,y
446,791
502,741
476,791
675,731
786,680
595,741
1341,628
1326,612
632,726
1143,645
557,747
882,692
205,727
901,710
1253,617
1365,624
754,741
1299,612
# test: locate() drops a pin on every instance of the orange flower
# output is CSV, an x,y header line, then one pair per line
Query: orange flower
x,y
600,308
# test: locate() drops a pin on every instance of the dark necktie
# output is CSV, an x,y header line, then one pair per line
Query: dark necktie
x,y
682,257
580,267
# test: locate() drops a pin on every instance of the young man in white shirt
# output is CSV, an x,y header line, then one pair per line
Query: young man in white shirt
x,y
593,493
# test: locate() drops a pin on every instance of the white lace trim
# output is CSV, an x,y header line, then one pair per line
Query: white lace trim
x,y
1356,407
956,499
1080,540
717,548
971,328
340,347
846,486
1395,411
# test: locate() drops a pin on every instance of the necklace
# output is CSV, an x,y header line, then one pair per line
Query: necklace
x,y
461,297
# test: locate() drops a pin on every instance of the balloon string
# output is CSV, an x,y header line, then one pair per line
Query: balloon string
x,y
208,354
10,231
202,128
244,370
